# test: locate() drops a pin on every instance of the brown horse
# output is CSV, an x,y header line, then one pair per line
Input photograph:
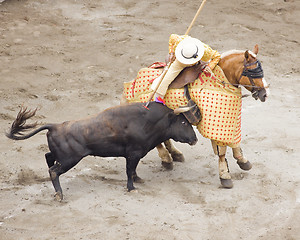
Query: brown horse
x,y
241,68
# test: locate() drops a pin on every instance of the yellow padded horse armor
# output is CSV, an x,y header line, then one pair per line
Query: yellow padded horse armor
x,y
220,103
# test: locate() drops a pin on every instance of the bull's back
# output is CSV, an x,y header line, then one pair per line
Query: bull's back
x,y
119,130
110,133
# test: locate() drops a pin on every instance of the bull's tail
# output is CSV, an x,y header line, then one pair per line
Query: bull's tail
x,y
19,126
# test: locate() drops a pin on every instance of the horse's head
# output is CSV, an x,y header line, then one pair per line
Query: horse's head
x,y
252,76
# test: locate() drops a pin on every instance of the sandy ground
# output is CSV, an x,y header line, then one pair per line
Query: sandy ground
x,y
69,58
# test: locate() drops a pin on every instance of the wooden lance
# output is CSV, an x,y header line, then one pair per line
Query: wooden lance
x,y
169,64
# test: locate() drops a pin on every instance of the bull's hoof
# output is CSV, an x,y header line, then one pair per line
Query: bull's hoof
x,y
245,166
226,183
167,165
131,189
178,158
58,196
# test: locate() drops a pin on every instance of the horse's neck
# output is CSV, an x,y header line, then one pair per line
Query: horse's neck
x,y
232,66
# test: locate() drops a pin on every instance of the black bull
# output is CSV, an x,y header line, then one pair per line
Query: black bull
x,y
129,131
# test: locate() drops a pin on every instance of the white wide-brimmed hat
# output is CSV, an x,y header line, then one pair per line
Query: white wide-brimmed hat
x,y
189,50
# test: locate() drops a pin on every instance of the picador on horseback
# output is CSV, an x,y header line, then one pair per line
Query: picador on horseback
x,y
197,75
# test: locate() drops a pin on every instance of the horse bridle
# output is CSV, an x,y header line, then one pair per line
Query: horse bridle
x,y
252,73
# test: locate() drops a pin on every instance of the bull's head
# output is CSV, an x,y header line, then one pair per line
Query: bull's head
x,y
182,129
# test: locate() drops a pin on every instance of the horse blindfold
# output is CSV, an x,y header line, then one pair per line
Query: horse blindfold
x,y
254,72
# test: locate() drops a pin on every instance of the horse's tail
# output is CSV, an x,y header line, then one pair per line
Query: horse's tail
x,y
19,126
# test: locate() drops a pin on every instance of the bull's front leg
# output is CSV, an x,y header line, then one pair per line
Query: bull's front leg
x,y
131,164
241,160
224,174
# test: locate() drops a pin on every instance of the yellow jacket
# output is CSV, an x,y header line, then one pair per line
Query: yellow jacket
x,y
209,54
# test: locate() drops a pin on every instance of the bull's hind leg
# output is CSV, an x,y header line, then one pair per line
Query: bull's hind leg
x,y
175,153
241,160
59,168
49,159
224,174
166,159
55,171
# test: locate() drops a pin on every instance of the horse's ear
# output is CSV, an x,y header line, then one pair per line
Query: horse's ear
x,y
247,54
255,50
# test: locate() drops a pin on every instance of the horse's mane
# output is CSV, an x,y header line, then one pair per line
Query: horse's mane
x,y
230,52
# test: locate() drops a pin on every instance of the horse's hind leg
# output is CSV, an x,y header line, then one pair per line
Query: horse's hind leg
x,y
224,174
166,159
175,153
241,160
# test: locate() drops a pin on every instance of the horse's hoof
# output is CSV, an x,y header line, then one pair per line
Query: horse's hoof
x,y
178,158
167,165
245,166
226,183
58,196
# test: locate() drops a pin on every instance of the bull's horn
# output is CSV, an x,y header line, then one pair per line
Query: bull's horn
x,y
177,111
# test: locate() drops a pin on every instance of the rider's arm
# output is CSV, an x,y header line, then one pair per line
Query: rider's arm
x,y
211,55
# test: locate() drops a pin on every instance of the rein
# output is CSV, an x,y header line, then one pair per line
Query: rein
x,y
251,74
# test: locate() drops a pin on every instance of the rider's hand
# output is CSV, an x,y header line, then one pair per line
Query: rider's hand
x,y
206,69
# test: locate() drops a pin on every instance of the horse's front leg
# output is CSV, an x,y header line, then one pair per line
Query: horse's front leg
x,y
175,153
224,174
241,160
166,159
